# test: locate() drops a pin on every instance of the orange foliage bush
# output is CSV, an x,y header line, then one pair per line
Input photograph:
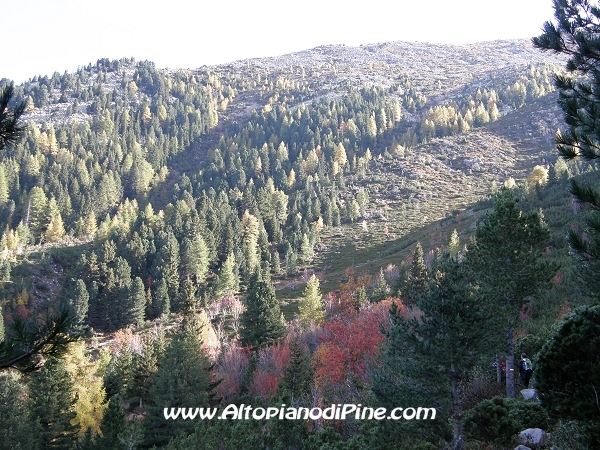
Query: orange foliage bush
x,y
350,342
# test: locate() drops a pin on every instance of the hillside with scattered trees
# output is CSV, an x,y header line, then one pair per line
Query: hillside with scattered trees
x,y
301,230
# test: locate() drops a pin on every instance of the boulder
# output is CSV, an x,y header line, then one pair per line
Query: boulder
x,y
534,437
529,394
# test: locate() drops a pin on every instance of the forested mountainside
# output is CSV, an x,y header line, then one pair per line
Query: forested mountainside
x,y
184,172
221,201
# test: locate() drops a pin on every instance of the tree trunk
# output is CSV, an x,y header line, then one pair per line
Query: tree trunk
x,y
457,411
498,369
510,364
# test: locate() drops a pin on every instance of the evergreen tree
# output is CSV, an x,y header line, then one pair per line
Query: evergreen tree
x,y
182,379
143,366
250,235
382,291
113,424
15,425
4,192
162,302
228,278
195,259
306,250
297,378
575,34
135,303
118,373
432,355
10,131
454,244
79,304
506,258
28,342
418,276
568,371
262,321
51,403
312,309
166,263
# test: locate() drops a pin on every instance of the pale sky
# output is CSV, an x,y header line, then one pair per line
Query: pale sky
x,y
44,36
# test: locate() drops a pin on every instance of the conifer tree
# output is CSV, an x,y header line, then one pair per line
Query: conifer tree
x,y
15,424
195,259
418,276
575,34
431,356
79,304
10,131
113,424
51,404
55,229
182,379
568,371
262,321
4,198
506,259
250,235
162,302
27,342
454,244
135,303
228,278
298,377
88,386
312,308
382,291
143,366
166,263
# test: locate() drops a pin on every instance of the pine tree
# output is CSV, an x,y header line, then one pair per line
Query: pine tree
x,y
166,263
306,249
195,259
15,424
454,244
51,405
162,302
143,367
262,321
250,234
506,258
418,276
135,303
312,308
183,379
433,355
113,424
298,377
575,34
79,304
228,278
567,371
10,131
4,198
382,291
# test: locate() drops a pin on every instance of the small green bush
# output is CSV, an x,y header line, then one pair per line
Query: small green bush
x,y
498,419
